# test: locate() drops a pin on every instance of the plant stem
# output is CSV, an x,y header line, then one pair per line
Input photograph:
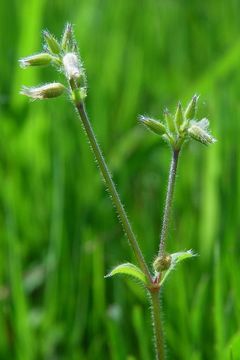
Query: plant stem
x,y
154,293
112,189
169,198
157,325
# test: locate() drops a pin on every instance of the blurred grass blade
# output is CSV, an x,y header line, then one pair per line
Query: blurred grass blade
x,y
140,329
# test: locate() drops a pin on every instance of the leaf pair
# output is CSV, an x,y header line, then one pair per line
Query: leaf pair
x,y
133,271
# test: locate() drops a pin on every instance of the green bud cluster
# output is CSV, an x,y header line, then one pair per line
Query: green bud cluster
x,y
181,126
63,55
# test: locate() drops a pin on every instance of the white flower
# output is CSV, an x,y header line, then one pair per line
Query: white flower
x,y
72,66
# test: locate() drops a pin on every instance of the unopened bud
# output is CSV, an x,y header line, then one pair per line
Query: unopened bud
x,y
36,60
162,263
199,133
72,66
153,125
179,118
169,121
46,91
191,108
67,37
53,45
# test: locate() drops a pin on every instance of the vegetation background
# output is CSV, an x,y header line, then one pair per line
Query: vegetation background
x,y
58,233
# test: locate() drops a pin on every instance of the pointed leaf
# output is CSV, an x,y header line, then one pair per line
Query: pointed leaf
x,y
175,259
129,269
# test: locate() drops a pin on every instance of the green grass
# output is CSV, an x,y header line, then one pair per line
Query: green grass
x,y
58,233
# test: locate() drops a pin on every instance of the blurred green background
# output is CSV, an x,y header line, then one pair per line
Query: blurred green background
x,y
59,234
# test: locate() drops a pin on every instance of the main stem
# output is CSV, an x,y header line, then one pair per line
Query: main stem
x,y
157,325
112,189
169,199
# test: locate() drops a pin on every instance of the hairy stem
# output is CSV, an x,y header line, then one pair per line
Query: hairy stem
x,y
112,189
169,199
157,325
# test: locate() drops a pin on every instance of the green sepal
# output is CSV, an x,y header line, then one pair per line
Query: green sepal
x,y
79,95
153,125
67,38
130,270
175,259
169,121
40,59
191,108
52,44
179,118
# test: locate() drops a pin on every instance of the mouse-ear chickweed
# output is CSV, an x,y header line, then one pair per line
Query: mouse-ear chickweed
x,y
175,129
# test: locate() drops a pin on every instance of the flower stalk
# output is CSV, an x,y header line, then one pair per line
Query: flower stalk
x,y
169,200
112,189
72,70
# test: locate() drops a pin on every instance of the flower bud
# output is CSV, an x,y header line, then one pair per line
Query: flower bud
x,y
169,121
191,108
67,37
153,125
46,91
53,45
162,263
198,131
36,60
72,66
179,118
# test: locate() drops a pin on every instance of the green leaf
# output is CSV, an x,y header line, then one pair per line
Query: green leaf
x,y
131,270
175,259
